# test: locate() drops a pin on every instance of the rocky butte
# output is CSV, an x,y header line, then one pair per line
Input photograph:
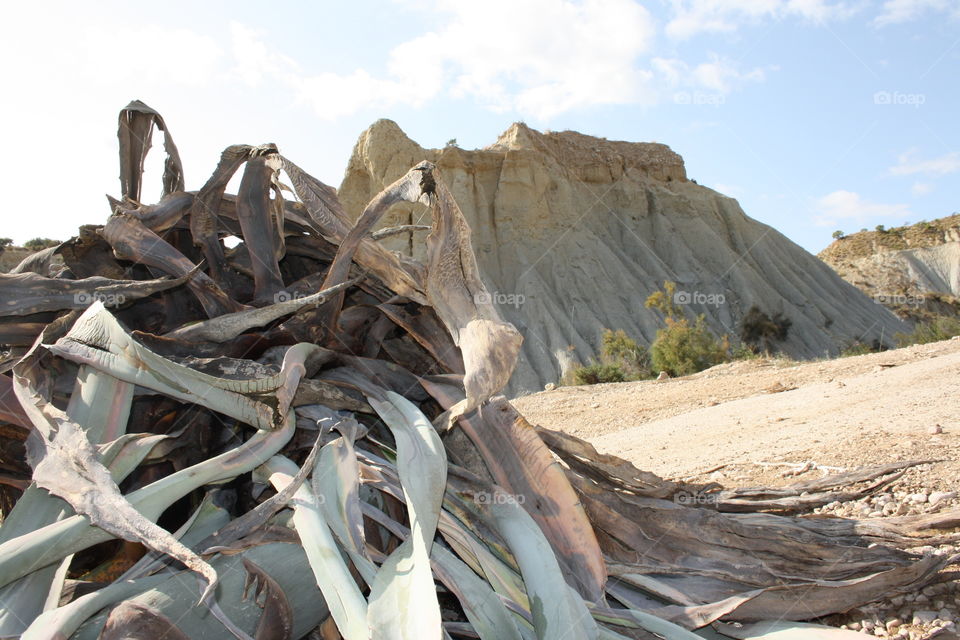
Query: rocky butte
x,y
572,233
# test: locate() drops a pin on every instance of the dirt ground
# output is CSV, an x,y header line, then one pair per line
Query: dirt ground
x,y
729,423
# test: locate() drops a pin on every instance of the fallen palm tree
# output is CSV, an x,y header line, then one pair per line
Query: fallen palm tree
x,y
162,385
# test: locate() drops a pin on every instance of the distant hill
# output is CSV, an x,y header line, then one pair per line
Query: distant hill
x,y
573,232
914,270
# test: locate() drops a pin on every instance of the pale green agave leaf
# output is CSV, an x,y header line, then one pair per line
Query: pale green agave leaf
x,y
481,604
336,484
486,611
100,404
26,553
97,339
347,605
403,598
123,455
175,596
62,622
205,520
661,627
555,610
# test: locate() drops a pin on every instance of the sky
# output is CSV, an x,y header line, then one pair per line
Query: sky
x,y
817,115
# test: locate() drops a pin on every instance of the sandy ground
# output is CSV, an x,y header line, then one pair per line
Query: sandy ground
x,y
740,416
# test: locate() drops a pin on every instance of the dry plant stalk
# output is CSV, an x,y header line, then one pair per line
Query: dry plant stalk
x,y
156,381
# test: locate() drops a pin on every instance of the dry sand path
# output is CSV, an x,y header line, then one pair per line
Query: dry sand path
x,y
845,413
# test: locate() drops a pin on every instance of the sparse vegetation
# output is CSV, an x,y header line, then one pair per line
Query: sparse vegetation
x,y
922,234
858,348
621,360
38,244
682,348
621,349
838,235
598,373
934,330
743,352
759,331
663,301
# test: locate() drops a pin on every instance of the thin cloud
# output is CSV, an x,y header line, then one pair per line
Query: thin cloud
x,y
693,17
944,165
899,11
848,205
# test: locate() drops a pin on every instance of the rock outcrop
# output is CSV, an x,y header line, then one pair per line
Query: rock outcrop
x,y
914,270
572,233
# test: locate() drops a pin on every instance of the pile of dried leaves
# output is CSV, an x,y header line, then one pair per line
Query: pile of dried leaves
x,y
300,435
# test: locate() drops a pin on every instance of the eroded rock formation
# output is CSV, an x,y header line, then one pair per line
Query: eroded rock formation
x,y
572,233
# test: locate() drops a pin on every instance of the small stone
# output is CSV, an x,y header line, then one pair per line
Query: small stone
x,y
854,626
893,624
924,616
867,625
549,386
902,509
944,614
663,376
935,429
917,498
941,496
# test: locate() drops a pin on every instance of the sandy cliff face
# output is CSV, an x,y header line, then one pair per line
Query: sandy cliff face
x,y
572,233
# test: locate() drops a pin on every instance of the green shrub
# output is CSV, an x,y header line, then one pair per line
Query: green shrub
x,y
880,228
935,330
621,360
859,348
681,348
619,349
743,352
40,243
759,331
663,301
837,235
597,373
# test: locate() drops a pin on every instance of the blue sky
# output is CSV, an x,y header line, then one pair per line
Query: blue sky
x,y
815,114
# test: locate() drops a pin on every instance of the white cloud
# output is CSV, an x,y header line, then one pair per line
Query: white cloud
x,y
548,57
897,11
848,205
909,165
691,17
718,74
921,188
721,75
